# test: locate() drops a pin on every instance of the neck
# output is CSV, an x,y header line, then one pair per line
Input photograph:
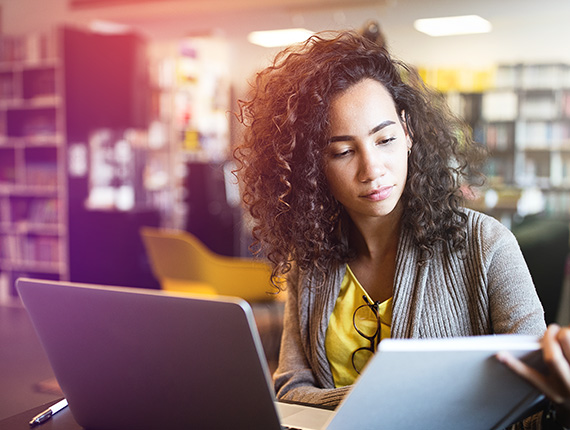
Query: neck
x,y
375,238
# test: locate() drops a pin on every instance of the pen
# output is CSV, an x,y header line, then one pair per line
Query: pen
x,y
48,413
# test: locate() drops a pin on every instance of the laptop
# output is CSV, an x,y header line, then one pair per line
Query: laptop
x,y
129,358
147,359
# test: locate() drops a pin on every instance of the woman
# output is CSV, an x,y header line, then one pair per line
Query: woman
x,y
352,173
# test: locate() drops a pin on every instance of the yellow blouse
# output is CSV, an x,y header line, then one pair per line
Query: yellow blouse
x,y
341,338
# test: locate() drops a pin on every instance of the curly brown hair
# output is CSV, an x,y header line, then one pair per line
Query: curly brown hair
x,y
280,160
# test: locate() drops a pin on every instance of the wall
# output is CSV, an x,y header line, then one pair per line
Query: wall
x,y
522,32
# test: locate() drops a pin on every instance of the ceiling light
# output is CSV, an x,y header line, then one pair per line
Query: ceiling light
x,y
108,27
275,38
453,25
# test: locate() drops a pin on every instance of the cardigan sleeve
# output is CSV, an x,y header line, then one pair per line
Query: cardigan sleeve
x,y
513,301
514,306
294,379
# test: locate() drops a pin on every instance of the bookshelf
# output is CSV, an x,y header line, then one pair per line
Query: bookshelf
x,y
191,94
522,116
527,129
33,219
58,89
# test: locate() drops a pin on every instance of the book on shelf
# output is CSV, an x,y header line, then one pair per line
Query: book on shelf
x,y
40,122
551,75
7,85
462,79
560,171
533,76
40,255
508,76
558,202
7,170
9,249
34,211
499,170
43,211
544,107
40,46
30,48
565,105
541,135
11,49
39,82
44,249
42,174
4,253
500,106
499,137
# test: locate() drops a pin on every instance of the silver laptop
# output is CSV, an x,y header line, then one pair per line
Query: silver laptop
x,y
146,359
143,359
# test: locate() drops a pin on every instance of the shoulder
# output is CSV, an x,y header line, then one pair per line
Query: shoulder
x,y
489,237
478,218
484,226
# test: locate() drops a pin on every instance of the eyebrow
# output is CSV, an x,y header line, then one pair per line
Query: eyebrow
x,y
376,129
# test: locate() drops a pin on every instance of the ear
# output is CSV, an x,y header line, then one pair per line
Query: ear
x,y
405,125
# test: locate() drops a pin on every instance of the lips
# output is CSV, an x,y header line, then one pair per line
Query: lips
x,y
379,194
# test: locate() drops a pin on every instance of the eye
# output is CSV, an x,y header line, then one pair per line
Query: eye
x,y
385,141
341,154
339,150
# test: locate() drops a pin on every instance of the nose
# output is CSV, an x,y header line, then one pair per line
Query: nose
x,y
371,166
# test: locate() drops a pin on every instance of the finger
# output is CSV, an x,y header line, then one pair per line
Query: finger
x,y
534,377
548,343
563,338
522,369
555,358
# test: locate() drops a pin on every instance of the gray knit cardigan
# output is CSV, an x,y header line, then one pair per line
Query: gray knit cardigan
x,y
485,289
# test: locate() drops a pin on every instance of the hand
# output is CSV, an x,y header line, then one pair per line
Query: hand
x,y
555,384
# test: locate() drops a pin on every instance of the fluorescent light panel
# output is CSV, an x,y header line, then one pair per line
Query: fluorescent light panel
x,y
275,38
453,25
108,27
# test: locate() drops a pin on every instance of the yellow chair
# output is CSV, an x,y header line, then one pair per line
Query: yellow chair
x,y
181,262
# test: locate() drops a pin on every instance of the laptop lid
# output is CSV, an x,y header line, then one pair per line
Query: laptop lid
x,y
145,359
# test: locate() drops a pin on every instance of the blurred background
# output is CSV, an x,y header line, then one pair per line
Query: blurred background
x,y
116,114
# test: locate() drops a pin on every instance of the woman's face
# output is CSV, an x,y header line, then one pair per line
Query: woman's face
x,y
366,159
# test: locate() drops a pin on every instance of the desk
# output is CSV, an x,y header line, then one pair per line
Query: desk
x,y
63,420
